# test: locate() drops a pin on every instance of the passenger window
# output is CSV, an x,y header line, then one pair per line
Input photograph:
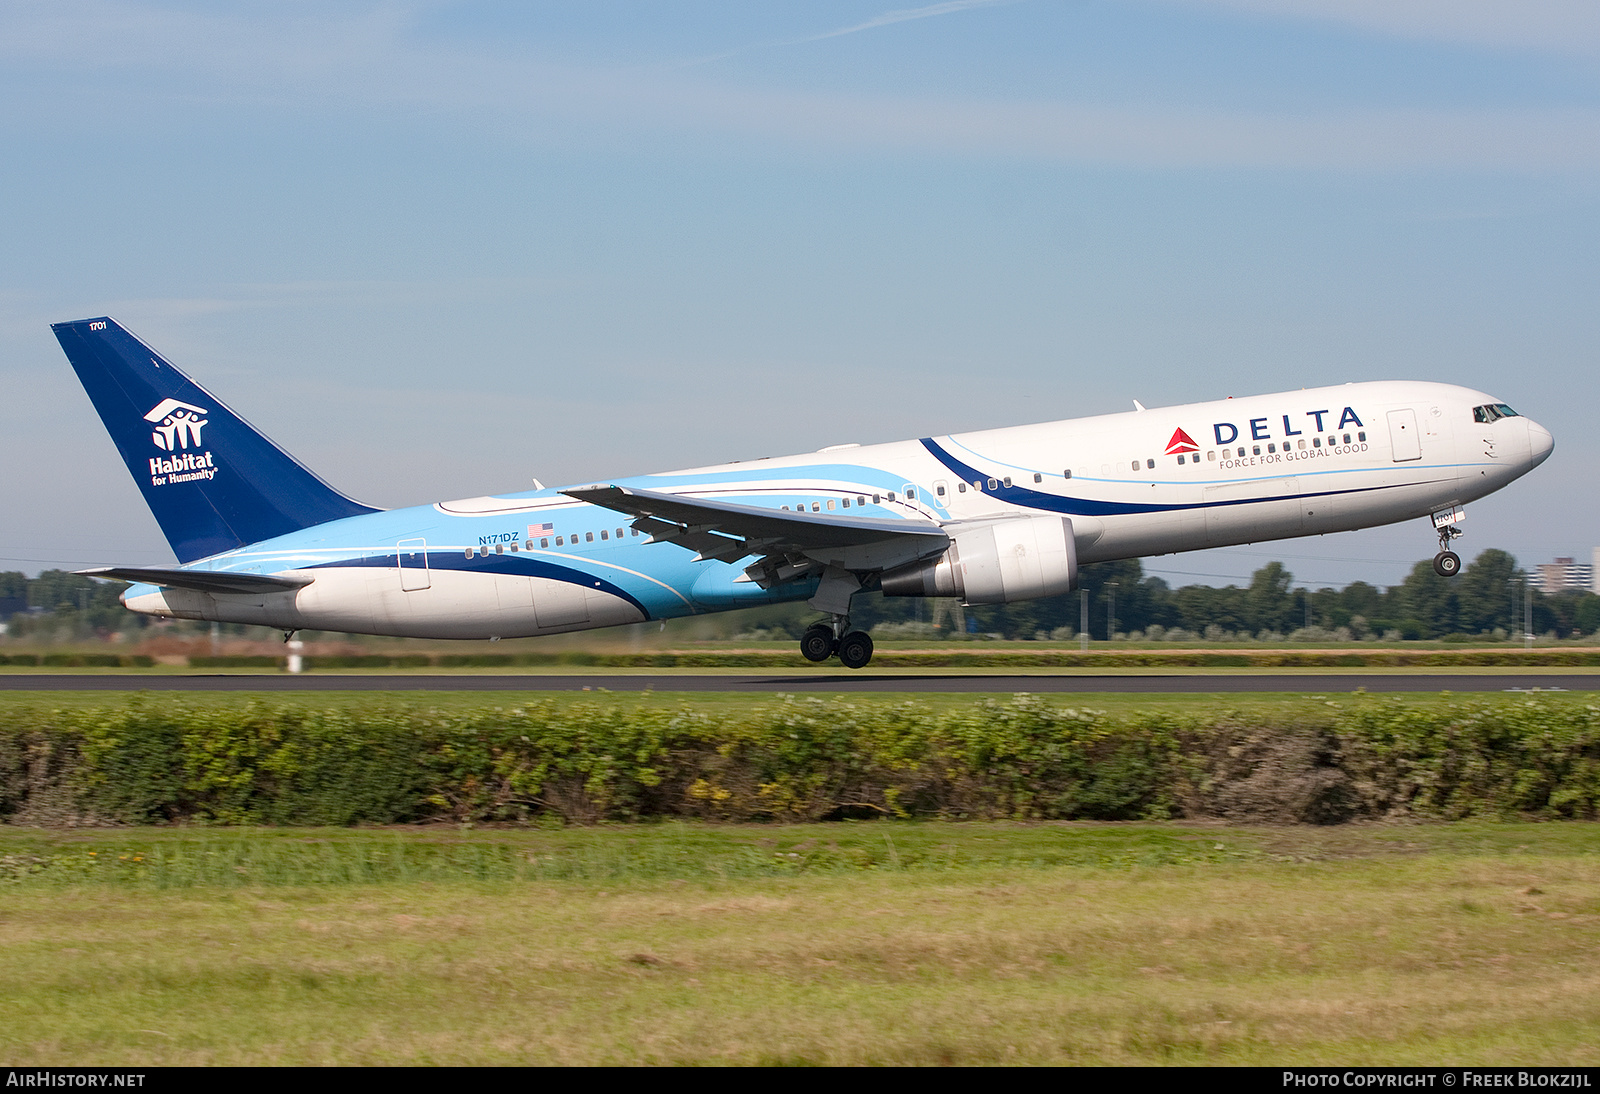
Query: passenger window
x,y
1362,437
1316,442
816,507
633,531
962,487
558,541
911,493
1241,453
939,489
861,499
545,543
469,552
891,495
1150,464
994,484
1007,480
1301,445
513,548
876,498
1256,450
1136,465
845,503
1273,448
1212,456
603,534
830,503
1067,474
1038,477
588,537
1180,461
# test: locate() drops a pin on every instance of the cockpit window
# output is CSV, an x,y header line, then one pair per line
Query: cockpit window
x,y
1490,412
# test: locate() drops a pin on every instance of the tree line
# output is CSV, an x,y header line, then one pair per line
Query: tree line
x,y
1486,598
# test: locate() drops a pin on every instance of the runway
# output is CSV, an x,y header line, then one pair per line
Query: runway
x,y
822,683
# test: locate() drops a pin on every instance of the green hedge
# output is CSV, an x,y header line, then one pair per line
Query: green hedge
x,y
154,760
79,660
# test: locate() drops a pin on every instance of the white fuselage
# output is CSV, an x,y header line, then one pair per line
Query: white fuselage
x,y
1142,483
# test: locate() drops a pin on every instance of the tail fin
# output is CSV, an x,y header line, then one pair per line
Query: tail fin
x,y
213,482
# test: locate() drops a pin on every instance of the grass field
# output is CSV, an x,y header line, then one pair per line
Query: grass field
x,y
849,943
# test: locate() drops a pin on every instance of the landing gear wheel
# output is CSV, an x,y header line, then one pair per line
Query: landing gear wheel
x,y
855,650
1447,564
817,643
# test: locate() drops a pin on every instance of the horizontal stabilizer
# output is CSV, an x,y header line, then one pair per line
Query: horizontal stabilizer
x,y
204,581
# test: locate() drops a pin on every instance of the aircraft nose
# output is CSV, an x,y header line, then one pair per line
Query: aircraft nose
x,y
1540,443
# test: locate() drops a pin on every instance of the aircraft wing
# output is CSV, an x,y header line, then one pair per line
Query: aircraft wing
x,y
727,531
205,581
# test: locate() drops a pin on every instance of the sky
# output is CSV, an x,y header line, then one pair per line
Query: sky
x,y
440,249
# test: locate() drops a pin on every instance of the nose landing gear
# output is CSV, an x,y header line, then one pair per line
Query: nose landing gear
x,y
1447,563
854,649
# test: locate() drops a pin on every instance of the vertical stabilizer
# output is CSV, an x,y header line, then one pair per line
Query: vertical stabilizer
x,y
212,480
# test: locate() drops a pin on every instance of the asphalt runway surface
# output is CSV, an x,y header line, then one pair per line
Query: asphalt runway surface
x,y
854,683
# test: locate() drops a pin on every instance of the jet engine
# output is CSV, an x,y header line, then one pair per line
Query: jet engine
x,y
995,562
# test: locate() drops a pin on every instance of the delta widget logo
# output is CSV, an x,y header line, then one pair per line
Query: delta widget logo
x,y
1181,442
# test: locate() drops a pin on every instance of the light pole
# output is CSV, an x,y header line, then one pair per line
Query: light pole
x,y
1527,610
1111,609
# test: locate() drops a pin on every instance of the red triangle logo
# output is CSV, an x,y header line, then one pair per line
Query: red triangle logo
x,y
1181,442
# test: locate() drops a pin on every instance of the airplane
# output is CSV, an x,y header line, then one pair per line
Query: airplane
x,y
989,517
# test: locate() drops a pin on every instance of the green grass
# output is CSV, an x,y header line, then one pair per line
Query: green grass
x,y
887,943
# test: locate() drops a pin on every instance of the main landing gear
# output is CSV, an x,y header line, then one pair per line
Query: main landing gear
x,y
1447,563
854,649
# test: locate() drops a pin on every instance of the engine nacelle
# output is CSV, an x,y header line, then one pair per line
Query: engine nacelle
x,y
996,563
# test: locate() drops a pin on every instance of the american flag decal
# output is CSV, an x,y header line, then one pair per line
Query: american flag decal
x,y
540,529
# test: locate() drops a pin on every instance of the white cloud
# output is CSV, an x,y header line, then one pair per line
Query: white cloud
x,y
905,15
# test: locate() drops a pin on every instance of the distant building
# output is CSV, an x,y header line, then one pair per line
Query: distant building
x,y
1564,573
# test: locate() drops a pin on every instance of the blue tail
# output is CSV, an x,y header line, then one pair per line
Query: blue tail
x,y
213,482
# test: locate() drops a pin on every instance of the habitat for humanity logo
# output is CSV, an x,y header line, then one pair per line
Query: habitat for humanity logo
x,y
178,426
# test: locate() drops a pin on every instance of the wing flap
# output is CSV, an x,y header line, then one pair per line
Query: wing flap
x,y
791,544
801,530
